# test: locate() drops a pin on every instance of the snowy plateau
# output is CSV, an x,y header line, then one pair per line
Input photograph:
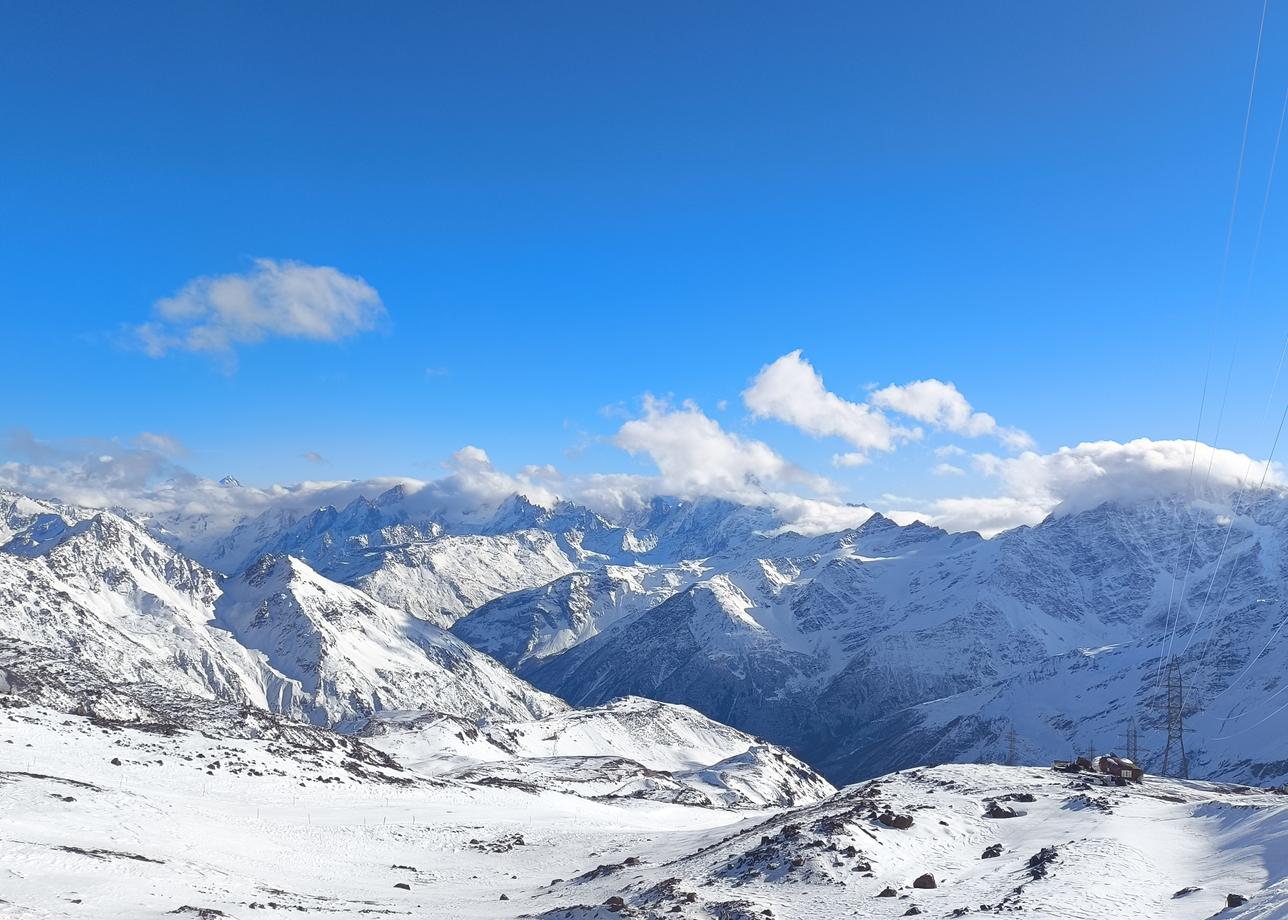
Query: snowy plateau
x,y
393,708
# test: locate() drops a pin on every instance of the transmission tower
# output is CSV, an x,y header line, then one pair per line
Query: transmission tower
x,y
1012,748
1133,742
1175,747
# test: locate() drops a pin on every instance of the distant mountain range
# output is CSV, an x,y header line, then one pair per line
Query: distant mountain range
x,y
863,651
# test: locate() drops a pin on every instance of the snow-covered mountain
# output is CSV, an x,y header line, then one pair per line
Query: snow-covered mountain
x,y
630,748
539,622
98,591
352,656
838,645
866,650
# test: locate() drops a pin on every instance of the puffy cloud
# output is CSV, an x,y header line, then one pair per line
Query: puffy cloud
x,y
946,469
1078,478
695,456
214,314
943,406
950,450
473,486
1094,472
791,391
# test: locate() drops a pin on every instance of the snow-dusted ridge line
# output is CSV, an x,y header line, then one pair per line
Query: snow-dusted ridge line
x,y
633,748
280,637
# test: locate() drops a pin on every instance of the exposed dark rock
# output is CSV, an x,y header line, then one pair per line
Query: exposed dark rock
x,y
998,810
992,852
925,881
1040,860
1235,900
898,822
888,893
403,885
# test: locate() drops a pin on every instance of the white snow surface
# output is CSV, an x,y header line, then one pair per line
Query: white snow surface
x,y
629,747
252,827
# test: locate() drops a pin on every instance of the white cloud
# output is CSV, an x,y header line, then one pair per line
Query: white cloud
x,y
949,450
1094,472
851,459
943,406
791,391
215,314
946,469
160,443
313,456
1078,478
695,456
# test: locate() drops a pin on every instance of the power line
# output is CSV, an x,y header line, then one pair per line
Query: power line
x,y
1172,624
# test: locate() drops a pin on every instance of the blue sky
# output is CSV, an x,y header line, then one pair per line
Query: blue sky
x,y
563,207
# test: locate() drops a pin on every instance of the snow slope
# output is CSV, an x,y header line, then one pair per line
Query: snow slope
x,y
631,747
119,821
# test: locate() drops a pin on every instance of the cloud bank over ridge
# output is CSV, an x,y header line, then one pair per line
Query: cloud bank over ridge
x,y
689,454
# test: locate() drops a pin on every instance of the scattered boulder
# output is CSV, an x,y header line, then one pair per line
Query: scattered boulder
x,y
116,761
912,911
925,881
999,811
505,897
888,892
898,822
616,904
1186,891
403,885
1235,900
992,852
1040,861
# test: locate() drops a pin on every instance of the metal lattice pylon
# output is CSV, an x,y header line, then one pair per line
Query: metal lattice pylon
x,y
1174,750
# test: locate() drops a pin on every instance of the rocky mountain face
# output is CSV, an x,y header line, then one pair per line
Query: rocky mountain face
x,y
891,646
99,595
